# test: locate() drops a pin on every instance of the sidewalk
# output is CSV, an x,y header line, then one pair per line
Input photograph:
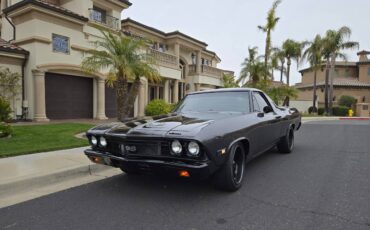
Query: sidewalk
x,y
308,119
30,173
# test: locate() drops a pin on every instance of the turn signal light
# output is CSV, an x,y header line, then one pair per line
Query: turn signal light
x,y
184,173
95,159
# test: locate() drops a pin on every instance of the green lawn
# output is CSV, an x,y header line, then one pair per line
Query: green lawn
x,y
41,138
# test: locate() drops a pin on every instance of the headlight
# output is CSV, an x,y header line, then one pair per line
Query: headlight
x,y
94,141
193,149
176,147
103,142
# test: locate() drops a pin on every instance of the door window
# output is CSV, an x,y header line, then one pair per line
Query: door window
x,y
260,100
256,107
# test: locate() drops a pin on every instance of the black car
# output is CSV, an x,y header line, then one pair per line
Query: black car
x,y
211,132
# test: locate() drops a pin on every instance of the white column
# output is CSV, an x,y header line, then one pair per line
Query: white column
x,y
197,87
40,104
100,111
199,62
166,93
177,53
143,91
175,91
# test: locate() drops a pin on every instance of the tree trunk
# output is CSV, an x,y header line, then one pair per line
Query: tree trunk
x,y
288,80
267,52
331,82
133,93
121,86
281,72
314,91
288,72
272,74
326,85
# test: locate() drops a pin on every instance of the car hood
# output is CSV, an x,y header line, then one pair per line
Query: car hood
x,y
187,124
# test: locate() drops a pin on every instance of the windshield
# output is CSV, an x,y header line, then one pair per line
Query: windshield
x,y
216,102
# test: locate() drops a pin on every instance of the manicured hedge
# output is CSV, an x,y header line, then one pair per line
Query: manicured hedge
x,y
321,111
157,107
347,101
341,111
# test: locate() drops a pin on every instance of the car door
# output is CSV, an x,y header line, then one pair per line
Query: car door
x,y
268,123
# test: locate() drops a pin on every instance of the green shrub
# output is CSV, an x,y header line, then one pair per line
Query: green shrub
x,y
341,111
346,101
5,130
4,110
321,111
312,109
157,107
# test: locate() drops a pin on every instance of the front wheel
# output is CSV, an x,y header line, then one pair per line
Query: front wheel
x,y
230,176
286,144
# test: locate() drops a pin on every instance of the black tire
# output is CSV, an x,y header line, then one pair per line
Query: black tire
x,y
230,176
286,144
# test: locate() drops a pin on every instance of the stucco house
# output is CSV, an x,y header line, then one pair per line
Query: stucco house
x,y
351,78
45,41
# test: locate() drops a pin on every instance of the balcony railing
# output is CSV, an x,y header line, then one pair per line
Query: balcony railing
x,y
105,20
206,70
164,59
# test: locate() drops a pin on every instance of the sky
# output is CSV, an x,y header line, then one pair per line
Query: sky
x,y
229,27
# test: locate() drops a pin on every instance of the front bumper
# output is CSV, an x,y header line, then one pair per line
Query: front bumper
x,y
158,166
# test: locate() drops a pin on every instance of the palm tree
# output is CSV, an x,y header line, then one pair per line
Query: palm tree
x,y
278,61
334,42
123,57
271,22
314,55
229,81
292,51
253,70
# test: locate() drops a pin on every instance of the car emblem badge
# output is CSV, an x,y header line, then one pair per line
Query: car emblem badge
x,y
131,148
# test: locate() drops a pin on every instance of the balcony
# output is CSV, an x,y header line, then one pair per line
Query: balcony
x,y
104,20
208,75
206,70
164,59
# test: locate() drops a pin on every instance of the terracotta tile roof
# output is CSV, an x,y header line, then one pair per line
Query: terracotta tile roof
x,y
48,6
129,20
343,82
8,47
363,52
342,64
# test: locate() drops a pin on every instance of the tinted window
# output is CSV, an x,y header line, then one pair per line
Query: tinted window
x,y
256,107
220,102
262,103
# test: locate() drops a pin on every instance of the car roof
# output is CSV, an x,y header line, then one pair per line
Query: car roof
x,y
225,90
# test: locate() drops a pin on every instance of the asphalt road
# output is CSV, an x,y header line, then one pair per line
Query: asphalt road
x,y
324,184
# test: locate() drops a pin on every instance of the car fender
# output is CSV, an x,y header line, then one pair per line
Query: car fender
x,y
236,141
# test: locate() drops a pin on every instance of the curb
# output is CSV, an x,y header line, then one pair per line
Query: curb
x,y
27,184
355,118
310,119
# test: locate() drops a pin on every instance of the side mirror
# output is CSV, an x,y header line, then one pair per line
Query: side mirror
x,y
267,109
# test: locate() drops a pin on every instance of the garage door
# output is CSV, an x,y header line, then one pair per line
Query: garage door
x,y
111,103
68,97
